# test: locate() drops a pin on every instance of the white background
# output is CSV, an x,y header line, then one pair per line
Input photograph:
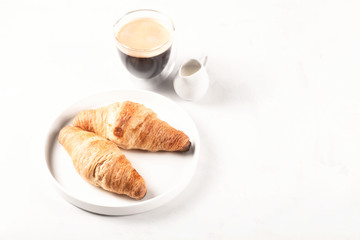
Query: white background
x,y
280,125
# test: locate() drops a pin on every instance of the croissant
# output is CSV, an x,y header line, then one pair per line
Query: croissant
x,y
132,126
101,162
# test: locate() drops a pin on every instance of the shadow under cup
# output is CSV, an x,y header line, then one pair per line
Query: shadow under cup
x,y
144,41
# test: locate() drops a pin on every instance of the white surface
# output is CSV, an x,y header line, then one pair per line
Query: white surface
x,y
279,127
166,174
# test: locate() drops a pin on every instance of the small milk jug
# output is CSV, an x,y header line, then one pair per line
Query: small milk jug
x,y
192,80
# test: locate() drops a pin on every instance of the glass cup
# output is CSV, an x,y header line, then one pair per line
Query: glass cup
x,y
145,43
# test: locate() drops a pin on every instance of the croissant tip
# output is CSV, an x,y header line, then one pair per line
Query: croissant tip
x,y
140,192
186,147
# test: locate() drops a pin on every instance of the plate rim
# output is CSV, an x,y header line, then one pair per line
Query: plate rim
x,y
137,207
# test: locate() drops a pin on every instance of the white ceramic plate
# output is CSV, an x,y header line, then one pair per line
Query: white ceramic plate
x,y
166,174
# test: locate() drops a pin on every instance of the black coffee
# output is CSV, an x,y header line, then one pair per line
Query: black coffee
x,y
145,47
145,67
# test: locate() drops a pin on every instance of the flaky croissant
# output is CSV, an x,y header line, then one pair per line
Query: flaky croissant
x,y
101,162
132,126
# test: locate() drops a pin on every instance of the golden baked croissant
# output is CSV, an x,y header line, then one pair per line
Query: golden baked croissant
x,y
101,162
132,126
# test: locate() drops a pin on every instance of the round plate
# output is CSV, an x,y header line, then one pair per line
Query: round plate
x,y
166,173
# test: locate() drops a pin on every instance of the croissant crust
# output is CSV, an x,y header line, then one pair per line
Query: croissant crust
x,y
132,126
101,162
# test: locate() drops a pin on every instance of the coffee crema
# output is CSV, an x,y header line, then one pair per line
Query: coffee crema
x,y
144,47
144,37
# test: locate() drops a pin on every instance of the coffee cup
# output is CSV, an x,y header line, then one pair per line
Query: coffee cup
x,y
145,43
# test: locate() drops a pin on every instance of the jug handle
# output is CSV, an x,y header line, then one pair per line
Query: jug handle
x,y
204,60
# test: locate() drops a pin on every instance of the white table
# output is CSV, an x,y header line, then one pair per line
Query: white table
x,y
280,125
